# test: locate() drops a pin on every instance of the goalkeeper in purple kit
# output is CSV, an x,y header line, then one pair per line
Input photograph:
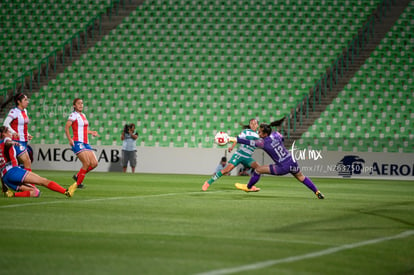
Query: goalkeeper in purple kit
x,y
272,143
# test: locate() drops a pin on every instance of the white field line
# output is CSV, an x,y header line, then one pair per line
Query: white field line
x,y
260,265
66,200
63,200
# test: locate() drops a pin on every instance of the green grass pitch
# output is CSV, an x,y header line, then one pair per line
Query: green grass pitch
x,y
165,224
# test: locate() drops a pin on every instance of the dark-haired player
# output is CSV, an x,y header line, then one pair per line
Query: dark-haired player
x,y
272,143
79,142
243,155
17,121
18,179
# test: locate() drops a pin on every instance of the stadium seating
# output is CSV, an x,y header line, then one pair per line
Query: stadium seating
x,y
375,110
31,31
184,70
212,66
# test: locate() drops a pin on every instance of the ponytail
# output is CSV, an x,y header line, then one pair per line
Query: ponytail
x,y
267,128
18,97
277,122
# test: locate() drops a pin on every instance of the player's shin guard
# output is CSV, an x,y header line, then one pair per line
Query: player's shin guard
x,y
308,183
253,179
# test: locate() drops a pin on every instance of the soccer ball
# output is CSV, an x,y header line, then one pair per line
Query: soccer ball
x,y
221,138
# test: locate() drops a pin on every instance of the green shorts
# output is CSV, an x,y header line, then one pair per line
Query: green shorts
x,y
237,159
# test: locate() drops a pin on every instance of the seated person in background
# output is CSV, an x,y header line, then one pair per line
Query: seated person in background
x,y
221,165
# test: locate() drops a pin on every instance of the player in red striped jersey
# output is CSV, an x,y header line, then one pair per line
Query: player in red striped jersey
x,y
22,181
79,142
17,121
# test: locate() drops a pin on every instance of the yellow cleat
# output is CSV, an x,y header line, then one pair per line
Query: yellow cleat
x,y
244,187
69,192
9,194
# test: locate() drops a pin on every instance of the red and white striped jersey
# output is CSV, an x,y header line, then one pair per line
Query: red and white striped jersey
x,y
19,123
79,126
8,158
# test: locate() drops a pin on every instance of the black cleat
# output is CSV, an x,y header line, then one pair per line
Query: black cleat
x,y
80,186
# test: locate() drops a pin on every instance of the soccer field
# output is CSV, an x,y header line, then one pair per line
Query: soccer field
x,y
165,224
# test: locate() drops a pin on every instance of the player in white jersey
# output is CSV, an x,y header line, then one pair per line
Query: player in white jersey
x,y
22,181
243,154
79,142
17,122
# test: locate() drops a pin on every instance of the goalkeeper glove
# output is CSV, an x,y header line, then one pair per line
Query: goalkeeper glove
x,y
232,139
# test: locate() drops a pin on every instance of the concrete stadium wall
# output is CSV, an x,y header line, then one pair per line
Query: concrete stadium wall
x,y
149,160
203,161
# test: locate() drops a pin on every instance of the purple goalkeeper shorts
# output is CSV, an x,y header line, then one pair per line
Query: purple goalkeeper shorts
x,y
285,167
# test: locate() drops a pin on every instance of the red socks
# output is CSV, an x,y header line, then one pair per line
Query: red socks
x,y
56,187
22,194
81,176
82,173
51,185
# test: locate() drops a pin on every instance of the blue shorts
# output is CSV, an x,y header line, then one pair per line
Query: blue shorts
x,y
80,147
287,166
20,147
15,177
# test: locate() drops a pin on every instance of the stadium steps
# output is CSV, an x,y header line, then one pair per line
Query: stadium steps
x,y
380,30
109,22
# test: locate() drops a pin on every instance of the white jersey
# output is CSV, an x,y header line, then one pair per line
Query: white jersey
x,y
18,121
79,126
246,150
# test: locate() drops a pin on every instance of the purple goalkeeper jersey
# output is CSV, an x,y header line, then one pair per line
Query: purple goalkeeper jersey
x,y
272,145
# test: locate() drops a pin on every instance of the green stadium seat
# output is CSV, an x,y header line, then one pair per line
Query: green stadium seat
x,y
210,60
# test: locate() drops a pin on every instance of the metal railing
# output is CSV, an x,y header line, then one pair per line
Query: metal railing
x,y
339,66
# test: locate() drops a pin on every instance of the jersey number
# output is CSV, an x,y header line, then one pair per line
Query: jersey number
x,y
280,151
